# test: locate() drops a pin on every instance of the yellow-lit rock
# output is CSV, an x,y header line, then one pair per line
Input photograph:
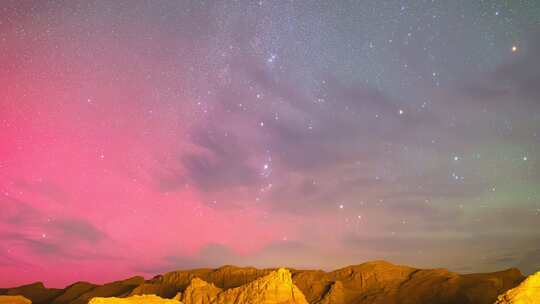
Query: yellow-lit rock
x,y
200,292
14,300
274,288
144,299
367,283
528,292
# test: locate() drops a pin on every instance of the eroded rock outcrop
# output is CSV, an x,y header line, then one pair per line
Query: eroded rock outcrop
x,y
35,292
336,294
14,300
114,289
383,282
137,299
528,292
73,291
368,283
274,288
200,292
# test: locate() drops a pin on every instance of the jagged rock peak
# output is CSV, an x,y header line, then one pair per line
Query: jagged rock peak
x,y
200,292
528,292
197,283
369,283
276,287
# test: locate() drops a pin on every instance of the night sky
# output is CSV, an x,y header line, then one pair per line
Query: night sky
x,y
138,137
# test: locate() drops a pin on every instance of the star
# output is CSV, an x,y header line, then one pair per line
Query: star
x,y
271,58
275,120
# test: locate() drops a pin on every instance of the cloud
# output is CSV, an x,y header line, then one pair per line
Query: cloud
x,y
51,247
530,262
77,229
222,163
304,138
484,253
27,226
217,255
37,245
515,81
18,212
211,255
43,188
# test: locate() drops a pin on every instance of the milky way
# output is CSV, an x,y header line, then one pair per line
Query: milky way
x,y
139,137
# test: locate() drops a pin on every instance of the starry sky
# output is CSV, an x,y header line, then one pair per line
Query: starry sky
x,y
139,137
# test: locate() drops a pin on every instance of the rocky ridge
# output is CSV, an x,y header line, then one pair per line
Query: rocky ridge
x,y
370,283
526,293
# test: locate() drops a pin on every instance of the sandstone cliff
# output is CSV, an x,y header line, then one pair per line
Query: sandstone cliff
x,y
383,282
146,299
528,292
200,292
275,288
367,283
14,300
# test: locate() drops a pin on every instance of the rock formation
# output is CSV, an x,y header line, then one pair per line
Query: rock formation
x,y
225,277
528,292
200,292
14,300
72,292
146,299
114,289
35,292
368,283
275,288
336,294
382,282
